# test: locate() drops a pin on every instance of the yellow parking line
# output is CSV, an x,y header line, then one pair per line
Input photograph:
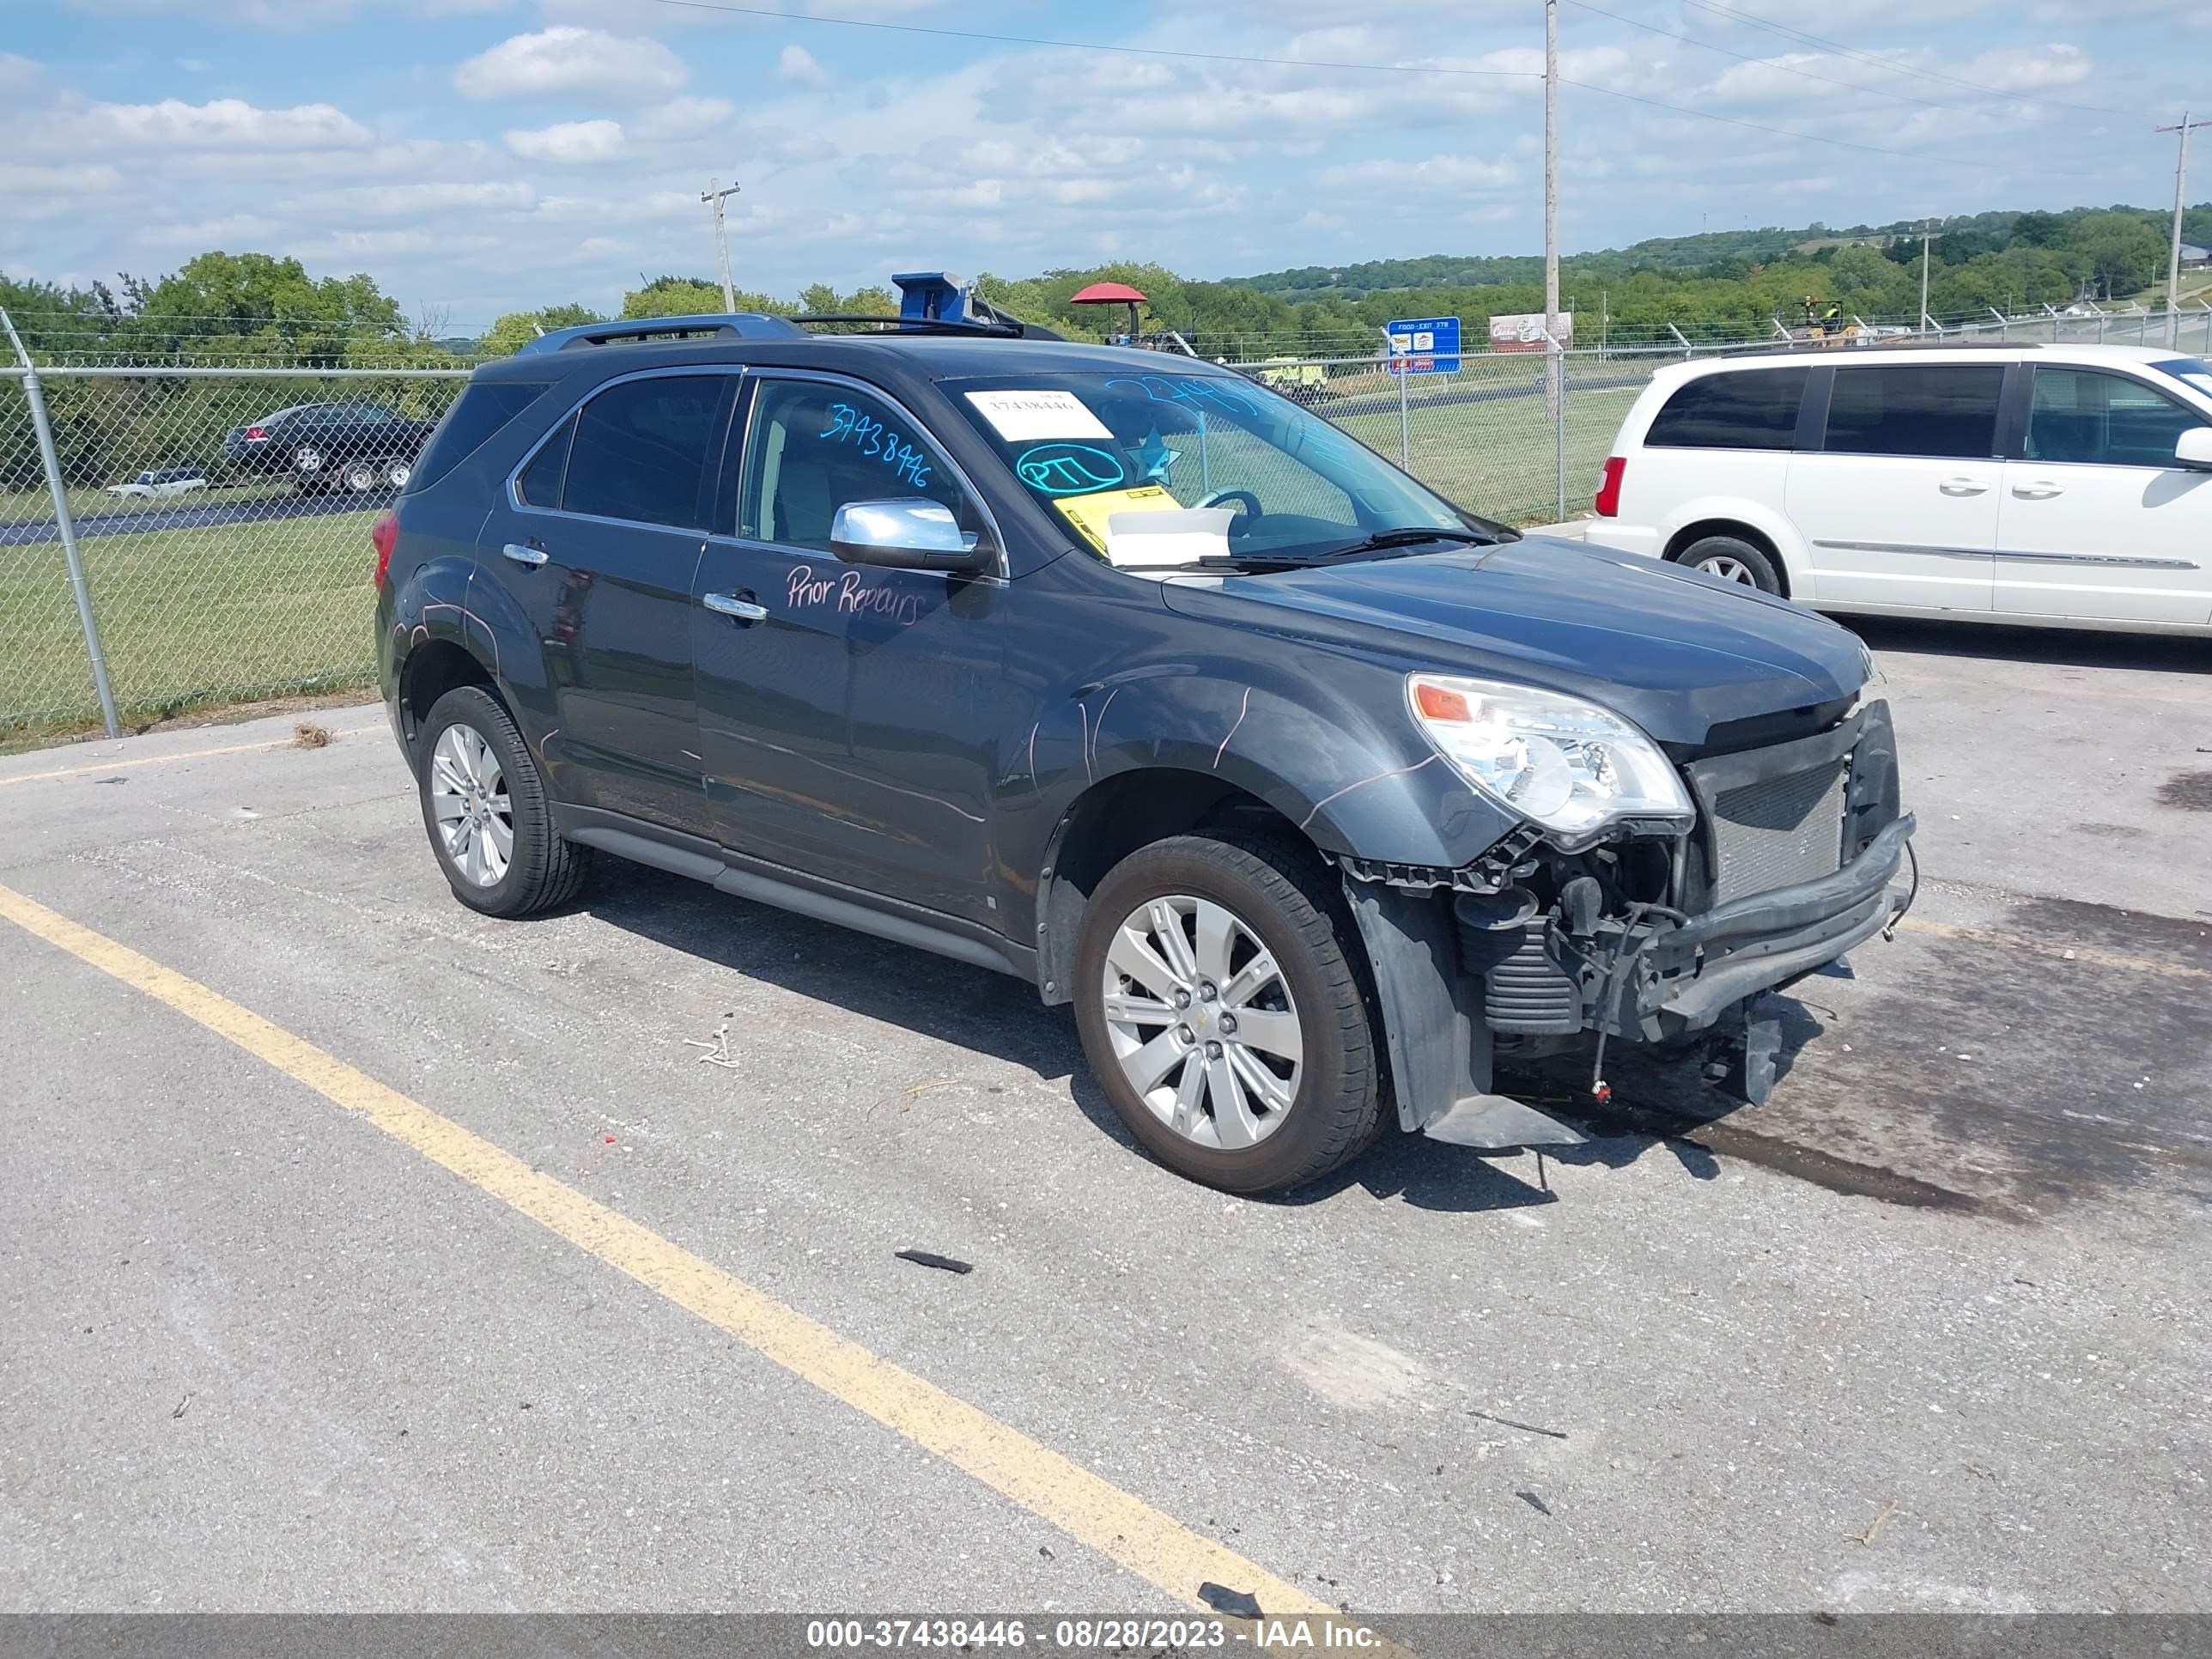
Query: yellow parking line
x,y
1124,1527
2096,955
163,760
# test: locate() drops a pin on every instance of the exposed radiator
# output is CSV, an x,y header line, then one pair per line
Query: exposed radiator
x,y
1778,831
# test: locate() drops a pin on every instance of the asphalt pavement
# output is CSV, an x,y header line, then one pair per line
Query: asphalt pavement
x,y
187,513
367,1253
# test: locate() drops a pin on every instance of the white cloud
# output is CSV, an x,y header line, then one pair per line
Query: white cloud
x,y
569,143
31,178
2028,68
566,58
194,65
237,231
683,117
797,64
1453,174
291,16
226,124
408,201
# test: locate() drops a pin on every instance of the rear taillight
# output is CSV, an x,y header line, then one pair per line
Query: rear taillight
x,y
383,532
255,434
1608,487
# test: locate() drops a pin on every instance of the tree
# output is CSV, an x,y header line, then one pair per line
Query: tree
x,y
517,328
693,296
2038,229
2124,252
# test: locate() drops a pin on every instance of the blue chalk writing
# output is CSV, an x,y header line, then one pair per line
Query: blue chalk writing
x,y
1162,389
1065,469
848,425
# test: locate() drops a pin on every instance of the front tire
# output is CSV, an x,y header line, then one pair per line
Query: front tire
x,y
1219,996
485,807
1732,559
358,476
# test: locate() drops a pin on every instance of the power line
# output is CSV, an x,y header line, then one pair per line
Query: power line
x,y
1091,45
1788,69
1891,64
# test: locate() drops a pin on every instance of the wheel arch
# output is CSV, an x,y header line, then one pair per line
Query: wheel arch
x,y
1761,530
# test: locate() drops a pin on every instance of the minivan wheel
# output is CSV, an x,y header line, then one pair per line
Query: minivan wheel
x,y
1218,998
397,473
1732,560
485,807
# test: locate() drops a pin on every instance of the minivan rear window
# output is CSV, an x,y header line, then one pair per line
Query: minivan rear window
x,y
482,408
1944,409
1748,408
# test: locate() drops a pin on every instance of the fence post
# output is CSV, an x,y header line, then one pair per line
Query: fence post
x,y
1559,430
1405,449
35,395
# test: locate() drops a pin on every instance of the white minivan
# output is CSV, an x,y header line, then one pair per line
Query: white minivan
x,y
2064,485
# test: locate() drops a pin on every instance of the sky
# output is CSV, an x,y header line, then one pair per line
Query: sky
x,y
480,156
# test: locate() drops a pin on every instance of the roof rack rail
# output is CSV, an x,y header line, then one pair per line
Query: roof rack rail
x,y
739,325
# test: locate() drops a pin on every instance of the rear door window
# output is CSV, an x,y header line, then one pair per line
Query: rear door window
x,y
2081,415
641,448
1749,409
1943,410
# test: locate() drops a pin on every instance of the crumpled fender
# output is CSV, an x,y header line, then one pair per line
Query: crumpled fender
x,y
446,599
1334,752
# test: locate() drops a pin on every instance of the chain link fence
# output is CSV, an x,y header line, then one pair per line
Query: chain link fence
x,y
220,519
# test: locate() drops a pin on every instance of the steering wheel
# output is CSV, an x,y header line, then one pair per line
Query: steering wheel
x,y
1243,497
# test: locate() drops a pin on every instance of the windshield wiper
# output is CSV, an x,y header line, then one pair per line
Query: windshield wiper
x,y
1382,540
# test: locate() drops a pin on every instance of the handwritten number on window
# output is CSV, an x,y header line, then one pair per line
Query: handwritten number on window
x,y
848,425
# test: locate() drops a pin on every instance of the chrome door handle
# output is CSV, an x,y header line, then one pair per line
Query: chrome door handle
x,y
1963,487
532,556
729,604
2039,491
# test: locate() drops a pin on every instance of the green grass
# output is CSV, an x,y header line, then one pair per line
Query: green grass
x,y
189,619
1497,458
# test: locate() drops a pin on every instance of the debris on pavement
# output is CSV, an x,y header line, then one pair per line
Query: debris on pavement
x,y
1222,1599
1534,1502
181,1404
718,1048
1875,1526
931,1259
308,735
1492,1417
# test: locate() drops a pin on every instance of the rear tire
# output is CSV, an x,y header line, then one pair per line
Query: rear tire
x,y
485,807
358,476
1732,559
1278,902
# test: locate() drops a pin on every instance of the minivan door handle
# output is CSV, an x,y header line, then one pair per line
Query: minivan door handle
x,y
532,556
740,605
1963,487
2041,491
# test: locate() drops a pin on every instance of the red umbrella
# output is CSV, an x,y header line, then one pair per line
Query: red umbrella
x,y
1110,294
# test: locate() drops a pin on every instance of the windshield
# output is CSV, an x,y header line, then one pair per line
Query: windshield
x,y
1109,453
2194,370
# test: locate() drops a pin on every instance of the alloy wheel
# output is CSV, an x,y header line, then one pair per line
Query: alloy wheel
x,y
469,800
1729,569
1202,1022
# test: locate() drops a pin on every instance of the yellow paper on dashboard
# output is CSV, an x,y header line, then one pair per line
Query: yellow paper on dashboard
x,y
1089,513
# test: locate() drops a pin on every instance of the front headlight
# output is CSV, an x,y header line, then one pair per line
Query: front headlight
x,y
1568,765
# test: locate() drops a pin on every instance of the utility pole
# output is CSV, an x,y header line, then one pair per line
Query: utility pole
x,y
714,197
1554,373
1924,272
2173,253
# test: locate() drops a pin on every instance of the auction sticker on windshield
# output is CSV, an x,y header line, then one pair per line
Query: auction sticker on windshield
x,y
1088,514
1023,417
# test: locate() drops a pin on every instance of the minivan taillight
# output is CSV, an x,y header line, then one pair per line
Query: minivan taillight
x,y
383,532
1608,487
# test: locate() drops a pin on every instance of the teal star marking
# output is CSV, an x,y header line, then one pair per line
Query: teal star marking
x,y
1154,458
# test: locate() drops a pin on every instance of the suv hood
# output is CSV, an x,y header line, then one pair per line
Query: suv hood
x,y
1675,652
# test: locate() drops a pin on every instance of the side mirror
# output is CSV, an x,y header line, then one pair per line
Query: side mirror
x,y
2195,449
906,535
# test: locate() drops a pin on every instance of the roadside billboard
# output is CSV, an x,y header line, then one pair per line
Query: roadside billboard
x,y
1524,331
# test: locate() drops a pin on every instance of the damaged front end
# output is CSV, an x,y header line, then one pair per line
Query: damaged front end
x,y
1770,861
